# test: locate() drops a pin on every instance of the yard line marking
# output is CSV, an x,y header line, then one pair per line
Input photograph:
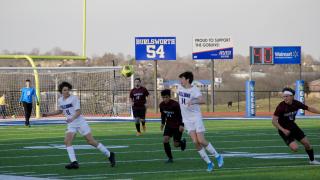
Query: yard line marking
x,y
102,162
81,140
222,148
190,170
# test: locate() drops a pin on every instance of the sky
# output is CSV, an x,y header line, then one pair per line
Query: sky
x,y
112,25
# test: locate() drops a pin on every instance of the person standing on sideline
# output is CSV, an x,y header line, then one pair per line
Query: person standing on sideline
x,y
26,99
3,105
190,99
69,105
171,121
284,121
138,96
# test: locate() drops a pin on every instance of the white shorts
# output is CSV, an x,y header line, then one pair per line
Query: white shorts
x,y
83,128
197,126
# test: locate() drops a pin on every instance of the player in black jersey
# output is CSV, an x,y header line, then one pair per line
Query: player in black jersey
x,y
171,121
284,120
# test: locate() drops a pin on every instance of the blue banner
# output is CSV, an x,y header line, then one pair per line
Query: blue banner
x,y
155,48
250,99
226,53
287,54
299,96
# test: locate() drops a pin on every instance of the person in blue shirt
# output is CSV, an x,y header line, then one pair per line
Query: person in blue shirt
x,y
26,99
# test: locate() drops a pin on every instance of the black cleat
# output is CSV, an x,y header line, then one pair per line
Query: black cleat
x,y
112,159
183,144
73,165
169,161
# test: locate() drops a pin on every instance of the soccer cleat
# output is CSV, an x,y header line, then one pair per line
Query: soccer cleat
x,y
220,161
183,144
138,134
144,128
314,162
73,165
170,160
210,167
112,159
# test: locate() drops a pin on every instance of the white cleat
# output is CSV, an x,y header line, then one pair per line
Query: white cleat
x,y
314,162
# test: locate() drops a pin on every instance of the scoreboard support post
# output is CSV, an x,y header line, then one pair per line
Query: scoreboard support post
x,y
155,74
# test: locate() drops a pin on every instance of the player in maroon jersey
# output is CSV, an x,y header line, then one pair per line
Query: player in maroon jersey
x,y
284,120
138,96
171,119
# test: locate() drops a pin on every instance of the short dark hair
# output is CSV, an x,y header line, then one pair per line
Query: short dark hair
x,y
138,79
64,84
290,90
166,92
28,80
187,75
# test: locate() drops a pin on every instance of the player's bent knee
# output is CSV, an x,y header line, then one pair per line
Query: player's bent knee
x,y
294,147
195,141
67,142
166,139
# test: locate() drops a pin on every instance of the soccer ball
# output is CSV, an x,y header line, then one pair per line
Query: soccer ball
x,y
127,71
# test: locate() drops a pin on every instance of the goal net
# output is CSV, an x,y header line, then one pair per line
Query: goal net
x,y
102,91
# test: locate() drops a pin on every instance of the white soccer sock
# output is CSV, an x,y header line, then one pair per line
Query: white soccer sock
x,y
204,155
71,153
103,149
212,150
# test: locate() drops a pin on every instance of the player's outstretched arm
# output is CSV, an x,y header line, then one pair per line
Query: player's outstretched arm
x,y
51,113
313,110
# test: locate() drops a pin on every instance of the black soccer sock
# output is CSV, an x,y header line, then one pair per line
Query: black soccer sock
x,y
167,149
138,127
310,154
143,123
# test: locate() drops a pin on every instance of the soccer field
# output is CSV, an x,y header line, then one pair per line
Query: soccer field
x,y
252,150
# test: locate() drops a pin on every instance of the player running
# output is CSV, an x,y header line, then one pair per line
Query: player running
x,y
70,106
138,96
190,99
171,121
284,120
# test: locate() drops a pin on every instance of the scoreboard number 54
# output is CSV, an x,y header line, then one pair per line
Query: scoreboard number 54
x,y
153,51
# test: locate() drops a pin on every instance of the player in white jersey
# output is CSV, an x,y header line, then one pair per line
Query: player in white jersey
x,y
69,105
190,99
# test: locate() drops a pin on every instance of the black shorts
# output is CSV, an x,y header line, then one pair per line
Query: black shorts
x,y
295,134
172,132
139,112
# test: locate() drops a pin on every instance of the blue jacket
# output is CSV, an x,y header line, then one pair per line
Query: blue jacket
x,y
27,95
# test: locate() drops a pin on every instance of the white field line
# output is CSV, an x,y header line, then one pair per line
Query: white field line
x,y
158,143
101,162
131,152
143,138
186,170
78,140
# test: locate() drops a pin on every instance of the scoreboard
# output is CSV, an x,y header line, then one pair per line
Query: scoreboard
x,y
275,54
261,55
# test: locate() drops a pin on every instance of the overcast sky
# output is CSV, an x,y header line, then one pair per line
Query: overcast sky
x,y
113,24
